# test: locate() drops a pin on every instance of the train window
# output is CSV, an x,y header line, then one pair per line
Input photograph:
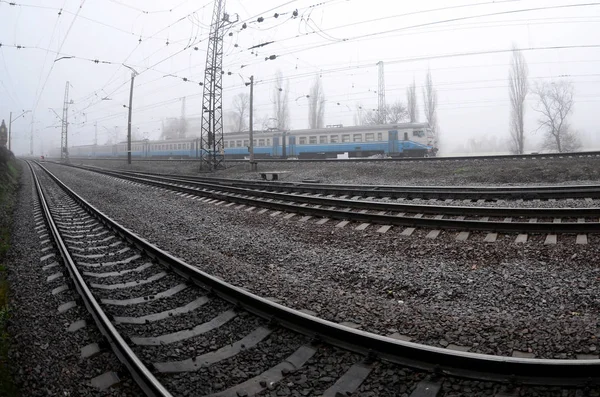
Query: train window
x,y
254,142
226,144
346,138
357,138
420,134
369,137
334,138
323,139
380,136
312,139
261,142
238,143
246,143
268,141
302,140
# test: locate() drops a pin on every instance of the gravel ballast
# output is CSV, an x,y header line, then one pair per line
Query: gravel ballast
x,y
491,298
578,170
45,355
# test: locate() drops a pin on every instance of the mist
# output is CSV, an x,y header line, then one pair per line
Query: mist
x,y
465,45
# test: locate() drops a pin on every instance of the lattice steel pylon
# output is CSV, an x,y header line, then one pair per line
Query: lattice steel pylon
x,y
211,141
381,96
64,148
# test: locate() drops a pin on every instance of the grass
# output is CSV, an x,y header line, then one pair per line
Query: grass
x,y
9,176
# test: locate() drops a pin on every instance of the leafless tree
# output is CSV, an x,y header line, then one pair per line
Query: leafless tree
x,y
411,103
396,113
316,105
241,107
518,86
281,111
555,104
430,106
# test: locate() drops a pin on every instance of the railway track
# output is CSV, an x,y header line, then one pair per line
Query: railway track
x,y
178,329
500,157
471,193
494,220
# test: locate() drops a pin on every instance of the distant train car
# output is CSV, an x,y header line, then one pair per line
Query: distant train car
x,y
393,140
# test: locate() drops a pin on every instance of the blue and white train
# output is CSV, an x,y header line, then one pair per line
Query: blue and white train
x,y
391,140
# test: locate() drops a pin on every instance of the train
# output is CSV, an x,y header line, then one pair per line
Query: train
x,y
387,140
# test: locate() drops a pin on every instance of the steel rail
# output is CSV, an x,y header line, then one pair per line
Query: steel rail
x,y
439,360
239,195
390,191
537,156
412,208
140,373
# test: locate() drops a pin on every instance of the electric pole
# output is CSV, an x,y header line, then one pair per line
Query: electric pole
x,y
9,130
95,137
251,148
10,120
31,139
64,147
133,73
211,140
381,95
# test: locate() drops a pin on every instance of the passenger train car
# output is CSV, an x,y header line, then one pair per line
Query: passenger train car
x,y
393,140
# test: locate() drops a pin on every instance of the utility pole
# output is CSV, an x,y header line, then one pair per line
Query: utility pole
x,y
64,147
251,148
31,139
381,95
95,137
9,130
133,73
10,120
211,144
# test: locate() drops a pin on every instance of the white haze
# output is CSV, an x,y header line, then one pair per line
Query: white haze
x,y
472,89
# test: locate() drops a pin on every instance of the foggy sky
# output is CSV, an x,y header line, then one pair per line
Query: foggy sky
x,y
330,38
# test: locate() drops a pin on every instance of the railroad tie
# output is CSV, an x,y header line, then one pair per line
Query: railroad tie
x,y
550,239
350,381
462,236
408,231
521,238
384,229
491,238
362,226
433,234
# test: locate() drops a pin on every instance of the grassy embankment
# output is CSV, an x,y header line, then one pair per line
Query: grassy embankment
x,y
9,181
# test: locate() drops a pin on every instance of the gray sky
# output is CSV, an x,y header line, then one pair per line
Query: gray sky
x,y
340,40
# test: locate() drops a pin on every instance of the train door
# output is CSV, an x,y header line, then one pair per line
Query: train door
x,y
291,150
393,141
275,146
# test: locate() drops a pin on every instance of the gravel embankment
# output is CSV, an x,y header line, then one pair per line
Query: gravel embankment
x,y
464,172
45,356
493,298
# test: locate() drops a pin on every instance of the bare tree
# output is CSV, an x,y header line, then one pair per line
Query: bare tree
x,y
518,86
397,113
280,102
316,105
430,106
241,107
555,104
411,103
